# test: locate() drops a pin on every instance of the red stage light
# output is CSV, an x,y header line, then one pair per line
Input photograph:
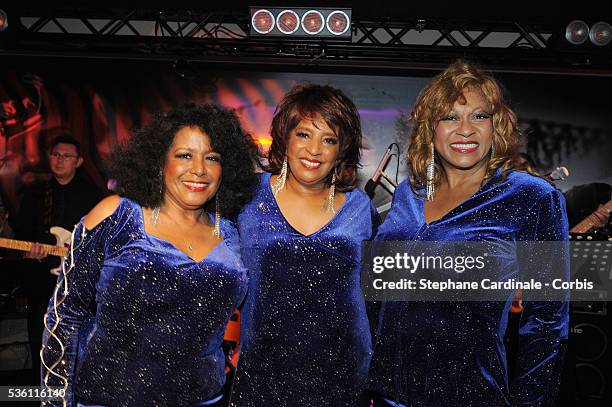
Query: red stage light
x,y
288,21
262,21
301,22
312,22
338,22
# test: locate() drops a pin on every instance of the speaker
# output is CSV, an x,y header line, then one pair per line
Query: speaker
x,y
14,344
586,378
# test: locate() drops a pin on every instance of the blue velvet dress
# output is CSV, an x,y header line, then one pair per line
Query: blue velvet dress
x,y
450,353
142,323
305,338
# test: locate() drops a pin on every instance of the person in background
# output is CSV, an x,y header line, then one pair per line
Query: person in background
x,y
61,202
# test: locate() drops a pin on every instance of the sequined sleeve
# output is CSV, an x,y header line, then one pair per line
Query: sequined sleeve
x,y
72,305
544,324
376,220
231,239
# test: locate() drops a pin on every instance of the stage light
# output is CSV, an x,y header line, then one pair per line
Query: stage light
x,y
3,20
262,21
301,22
288,21
312,22
577,32
338,22
600,33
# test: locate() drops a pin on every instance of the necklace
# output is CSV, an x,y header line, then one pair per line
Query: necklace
x,y
155,221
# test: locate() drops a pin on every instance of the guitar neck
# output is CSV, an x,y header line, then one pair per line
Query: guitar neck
x,y
27,246
587,223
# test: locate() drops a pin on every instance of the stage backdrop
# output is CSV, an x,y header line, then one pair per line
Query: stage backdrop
x,y
100,102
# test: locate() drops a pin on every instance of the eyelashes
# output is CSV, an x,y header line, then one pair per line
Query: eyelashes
x,y
475,116
326,140
188,156
214,158
482,116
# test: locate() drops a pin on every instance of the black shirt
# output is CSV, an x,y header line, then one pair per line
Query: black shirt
x,y
52,204
44,205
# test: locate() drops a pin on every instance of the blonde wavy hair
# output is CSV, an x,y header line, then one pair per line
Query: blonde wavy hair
x,y
437,99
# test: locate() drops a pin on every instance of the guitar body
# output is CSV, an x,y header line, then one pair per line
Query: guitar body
x,y
591,221
62,239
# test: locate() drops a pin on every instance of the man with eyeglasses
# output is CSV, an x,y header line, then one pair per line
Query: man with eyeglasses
x,y
61,201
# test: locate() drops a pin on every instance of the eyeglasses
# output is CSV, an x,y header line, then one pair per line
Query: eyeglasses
x,y
65,157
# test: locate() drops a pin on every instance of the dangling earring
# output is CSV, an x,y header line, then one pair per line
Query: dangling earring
x,y
217,230
332,193
280,180
155,216
431,168
161,183
155,212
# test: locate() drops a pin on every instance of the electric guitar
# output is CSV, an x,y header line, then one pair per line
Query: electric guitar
x,y
62,237
589,222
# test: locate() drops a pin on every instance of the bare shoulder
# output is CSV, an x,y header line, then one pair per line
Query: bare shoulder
x,y
101,211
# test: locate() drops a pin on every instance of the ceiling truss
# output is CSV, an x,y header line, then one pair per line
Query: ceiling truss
x,y
391,43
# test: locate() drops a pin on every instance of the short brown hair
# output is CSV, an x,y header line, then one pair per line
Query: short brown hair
x,y
339,112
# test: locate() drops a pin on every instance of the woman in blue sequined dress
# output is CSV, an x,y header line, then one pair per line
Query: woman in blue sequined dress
x,y
138,315
452,353
305,338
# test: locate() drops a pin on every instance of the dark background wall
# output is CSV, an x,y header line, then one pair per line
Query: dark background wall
x,y
567,117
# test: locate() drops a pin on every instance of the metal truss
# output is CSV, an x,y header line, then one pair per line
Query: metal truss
x,y
457,34
137,23
377,43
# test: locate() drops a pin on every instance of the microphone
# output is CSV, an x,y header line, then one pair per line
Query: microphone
x,y
558,174
375,179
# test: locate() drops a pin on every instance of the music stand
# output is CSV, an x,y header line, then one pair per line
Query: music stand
x,y
591,259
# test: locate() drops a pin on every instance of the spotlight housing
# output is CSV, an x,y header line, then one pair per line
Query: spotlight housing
x,y
577,32
262,21
600,33
288,21
338,22
3,20
306,23
313,22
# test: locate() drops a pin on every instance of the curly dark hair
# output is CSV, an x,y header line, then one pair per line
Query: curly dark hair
x,y
137,166
306,101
